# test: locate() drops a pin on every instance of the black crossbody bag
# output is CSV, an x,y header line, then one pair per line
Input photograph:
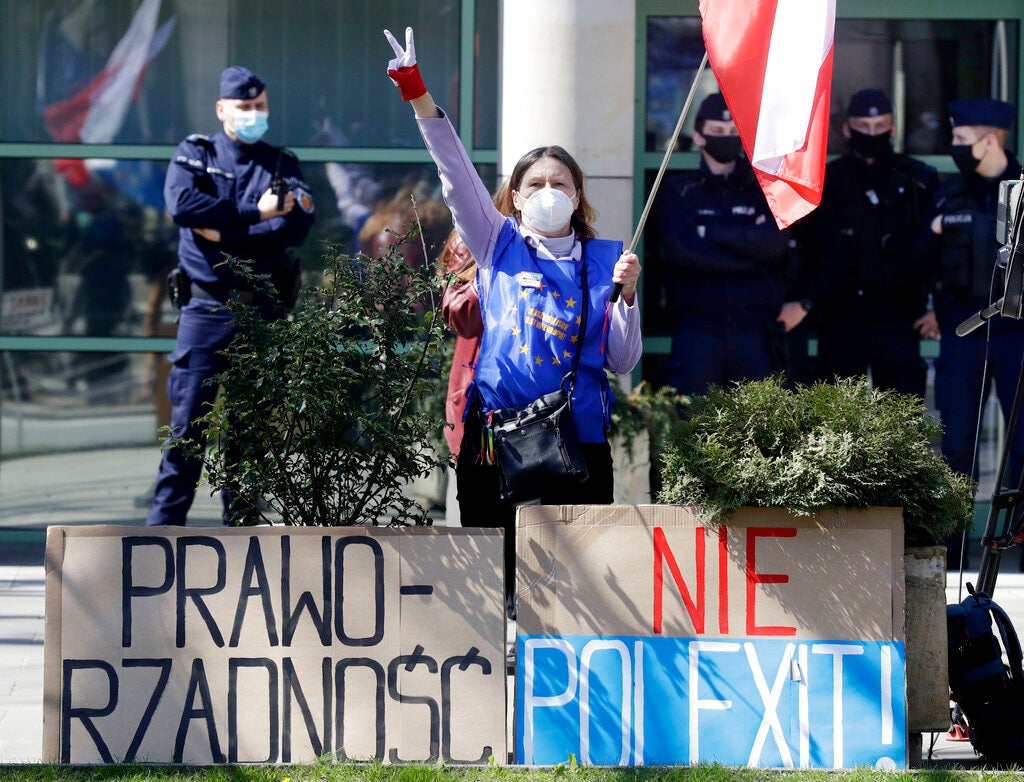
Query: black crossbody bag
x,y
537,447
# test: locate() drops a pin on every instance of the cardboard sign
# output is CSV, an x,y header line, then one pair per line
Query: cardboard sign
x,y
274,645
646,638
26,309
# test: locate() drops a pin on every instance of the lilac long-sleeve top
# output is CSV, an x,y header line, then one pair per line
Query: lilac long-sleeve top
x,y
478,223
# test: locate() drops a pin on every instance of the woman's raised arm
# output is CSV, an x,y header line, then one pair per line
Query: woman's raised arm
x,y
473,212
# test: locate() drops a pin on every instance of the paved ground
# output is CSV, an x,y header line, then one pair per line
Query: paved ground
x,y
21,650
101,488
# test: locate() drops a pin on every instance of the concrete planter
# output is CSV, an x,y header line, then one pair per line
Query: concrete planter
x,y
926,646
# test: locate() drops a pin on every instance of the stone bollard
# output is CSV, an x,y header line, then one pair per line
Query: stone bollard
x,y
632,470
926,642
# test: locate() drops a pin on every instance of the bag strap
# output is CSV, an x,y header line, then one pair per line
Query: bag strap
x,y
1011,643
583,327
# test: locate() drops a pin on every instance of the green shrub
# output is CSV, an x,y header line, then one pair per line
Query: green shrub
x,y
827,445
318,421
649,409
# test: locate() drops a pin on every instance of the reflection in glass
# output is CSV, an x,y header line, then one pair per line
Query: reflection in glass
x,y
71,455
674,51
84,241
88,256
146,71
86,244
46,404
485,88
922,64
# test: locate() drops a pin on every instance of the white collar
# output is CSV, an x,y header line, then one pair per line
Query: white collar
x,y
557,248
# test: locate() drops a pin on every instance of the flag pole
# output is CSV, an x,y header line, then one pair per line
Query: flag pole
x,y
668,154
617,288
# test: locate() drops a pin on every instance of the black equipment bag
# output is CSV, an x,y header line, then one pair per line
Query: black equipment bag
x,y
989,691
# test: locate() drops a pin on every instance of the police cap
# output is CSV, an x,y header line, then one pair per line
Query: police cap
x,y
713,107
869,103
240,83
982,111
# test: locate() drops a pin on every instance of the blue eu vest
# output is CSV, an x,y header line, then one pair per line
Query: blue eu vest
x,y
532,309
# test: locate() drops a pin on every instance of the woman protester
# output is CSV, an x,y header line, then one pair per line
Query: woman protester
x,y
531,268
460,308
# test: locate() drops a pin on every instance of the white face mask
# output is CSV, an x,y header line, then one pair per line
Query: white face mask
x,y
547,210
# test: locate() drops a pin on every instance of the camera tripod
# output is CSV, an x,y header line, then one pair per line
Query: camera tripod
x,y
1004,527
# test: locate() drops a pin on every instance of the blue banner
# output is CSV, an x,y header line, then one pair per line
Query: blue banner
x,y
632,701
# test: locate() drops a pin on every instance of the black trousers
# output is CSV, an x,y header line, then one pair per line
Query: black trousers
x,y
480,504
854,338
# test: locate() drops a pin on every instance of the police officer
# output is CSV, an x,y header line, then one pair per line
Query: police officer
x,y
961,242
220,191
723,256
866,287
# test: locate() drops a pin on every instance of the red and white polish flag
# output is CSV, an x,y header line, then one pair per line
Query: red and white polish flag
x,y
773,63
95,113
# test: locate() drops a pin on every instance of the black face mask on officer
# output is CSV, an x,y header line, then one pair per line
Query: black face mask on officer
x,y
963,156
868,146
723,149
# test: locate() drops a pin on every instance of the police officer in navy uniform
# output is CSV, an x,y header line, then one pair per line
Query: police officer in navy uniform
x,y
724,258
220,191
961,242
866,287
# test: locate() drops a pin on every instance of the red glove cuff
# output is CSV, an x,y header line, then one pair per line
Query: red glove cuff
x,y
409,81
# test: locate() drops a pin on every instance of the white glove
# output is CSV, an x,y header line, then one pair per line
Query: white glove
x,y
404,58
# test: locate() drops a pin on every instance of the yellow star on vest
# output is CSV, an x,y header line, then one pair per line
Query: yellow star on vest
x,y
538,361
574,338
566,354
579,319
524,350
555,294
516,331
570,302
524,292
555,361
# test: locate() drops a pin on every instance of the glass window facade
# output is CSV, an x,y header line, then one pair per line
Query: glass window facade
x,y
98,92
96,95
129,72
921,63
674,51
90,265
88,256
